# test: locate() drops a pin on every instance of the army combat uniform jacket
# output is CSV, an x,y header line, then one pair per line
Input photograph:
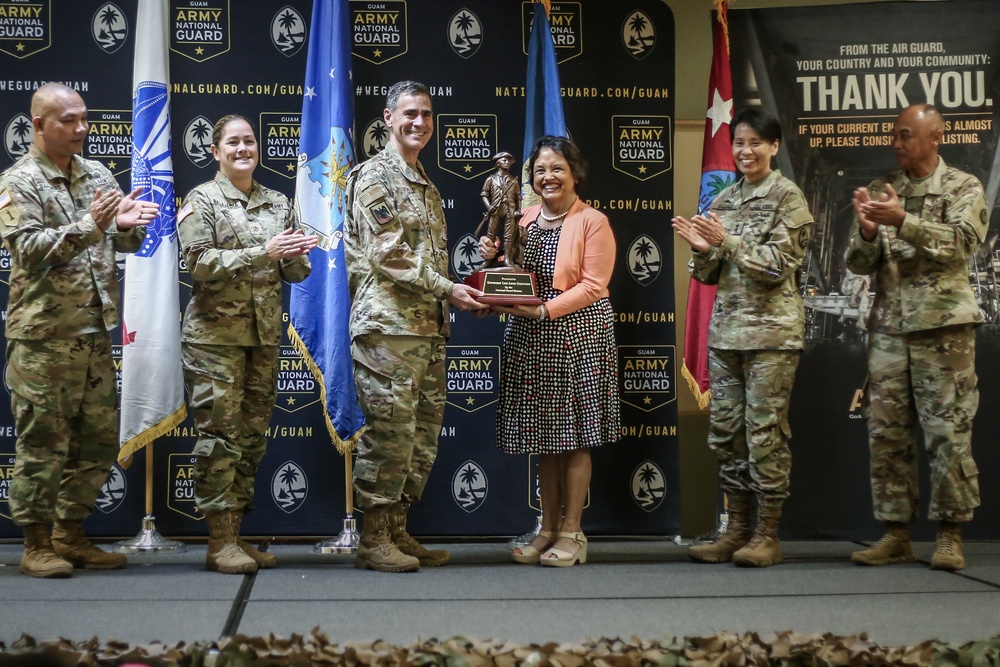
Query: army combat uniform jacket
x,y
396,248
921,269
236,297
758,305
63,276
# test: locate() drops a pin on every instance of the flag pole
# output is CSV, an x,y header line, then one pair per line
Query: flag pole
x,y
149,540
347,541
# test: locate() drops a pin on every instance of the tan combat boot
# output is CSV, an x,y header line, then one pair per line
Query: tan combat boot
x,y
224,554
376,550
764,549
948,548
737,533
39,560
264,560
69,543
893,547
407,544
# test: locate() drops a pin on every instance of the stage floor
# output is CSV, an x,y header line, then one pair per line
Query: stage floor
x,y
645,589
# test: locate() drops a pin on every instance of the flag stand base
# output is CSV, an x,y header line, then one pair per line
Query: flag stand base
x,y
149,540
345,543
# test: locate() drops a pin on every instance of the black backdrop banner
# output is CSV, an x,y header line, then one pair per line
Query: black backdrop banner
x,y
616,68
837,78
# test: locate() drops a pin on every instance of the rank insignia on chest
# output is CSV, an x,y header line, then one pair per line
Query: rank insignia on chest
x,y
381,213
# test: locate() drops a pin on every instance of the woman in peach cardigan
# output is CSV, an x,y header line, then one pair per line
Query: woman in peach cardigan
x,y
558,373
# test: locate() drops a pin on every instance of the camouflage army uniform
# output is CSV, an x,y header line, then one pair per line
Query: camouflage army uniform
x,y
232,332
921,356
63,302
397,264
756,331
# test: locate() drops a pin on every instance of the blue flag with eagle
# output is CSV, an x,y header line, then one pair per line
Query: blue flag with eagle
x,y
321,304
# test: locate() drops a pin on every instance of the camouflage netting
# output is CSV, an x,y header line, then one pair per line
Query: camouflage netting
x,y
721,650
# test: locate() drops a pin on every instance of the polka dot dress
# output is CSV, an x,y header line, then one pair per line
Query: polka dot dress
x,y
558,378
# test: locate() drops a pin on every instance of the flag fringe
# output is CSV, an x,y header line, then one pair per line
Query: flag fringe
x,y
344,446
137,442
703,398
722,16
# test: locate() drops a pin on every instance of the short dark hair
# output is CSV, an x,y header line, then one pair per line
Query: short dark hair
x,y
401,88
569,150
760,121
220,125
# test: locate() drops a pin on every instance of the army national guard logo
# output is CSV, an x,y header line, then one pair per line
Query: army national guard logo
x,y
470,486
641,145
289,487
6,473
288,31
566,24
373,140
465,258
465,33
113,492
648,486
644,260
297,386
200,28
198,141
646,376
109,27
378,30
180,485
473,376
638,35
466,143
279,142
18,134
110,139
25,27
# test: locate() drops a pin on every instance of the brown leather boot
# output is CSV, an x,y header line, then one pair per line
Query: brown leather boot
x,y
224,554
39,559
407,544
264,560
948,552
69,543
376,550
737,535
893,547
764,550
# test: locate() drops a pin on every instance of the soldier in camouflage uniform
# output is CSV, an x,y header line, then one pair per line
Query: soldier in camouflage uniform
x,y
751,245
62,219
240,240
915,230
396,249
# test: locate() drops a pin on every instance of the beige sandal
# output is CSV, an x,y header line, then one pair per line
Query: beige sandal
x,y
560,558
529,554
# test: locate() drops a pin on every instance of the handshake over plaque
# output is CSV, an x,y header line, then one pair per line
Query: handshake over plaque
x,y
502,280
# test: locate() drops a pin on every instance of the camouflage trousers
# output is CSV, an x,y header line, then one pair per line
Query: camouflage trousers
x,y
924,380
64,400
231,391
748,421
401,391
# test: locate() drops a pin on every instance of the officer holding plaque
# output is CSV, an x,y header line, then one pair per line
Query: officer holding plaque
x,y
549,405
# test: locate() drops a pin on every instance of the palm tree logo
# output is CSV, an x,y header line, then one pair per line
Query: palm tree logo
x,y
465,257
644,260
109,27
373,139
113,491
18,135
469,486
289,487
465,33
712,183
648,485
198,141
288,31
637,40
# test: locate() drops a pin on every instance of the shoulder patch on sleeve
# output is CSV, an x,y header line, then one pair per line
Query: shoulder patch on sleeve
x,y
185,211
10,215
375,198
